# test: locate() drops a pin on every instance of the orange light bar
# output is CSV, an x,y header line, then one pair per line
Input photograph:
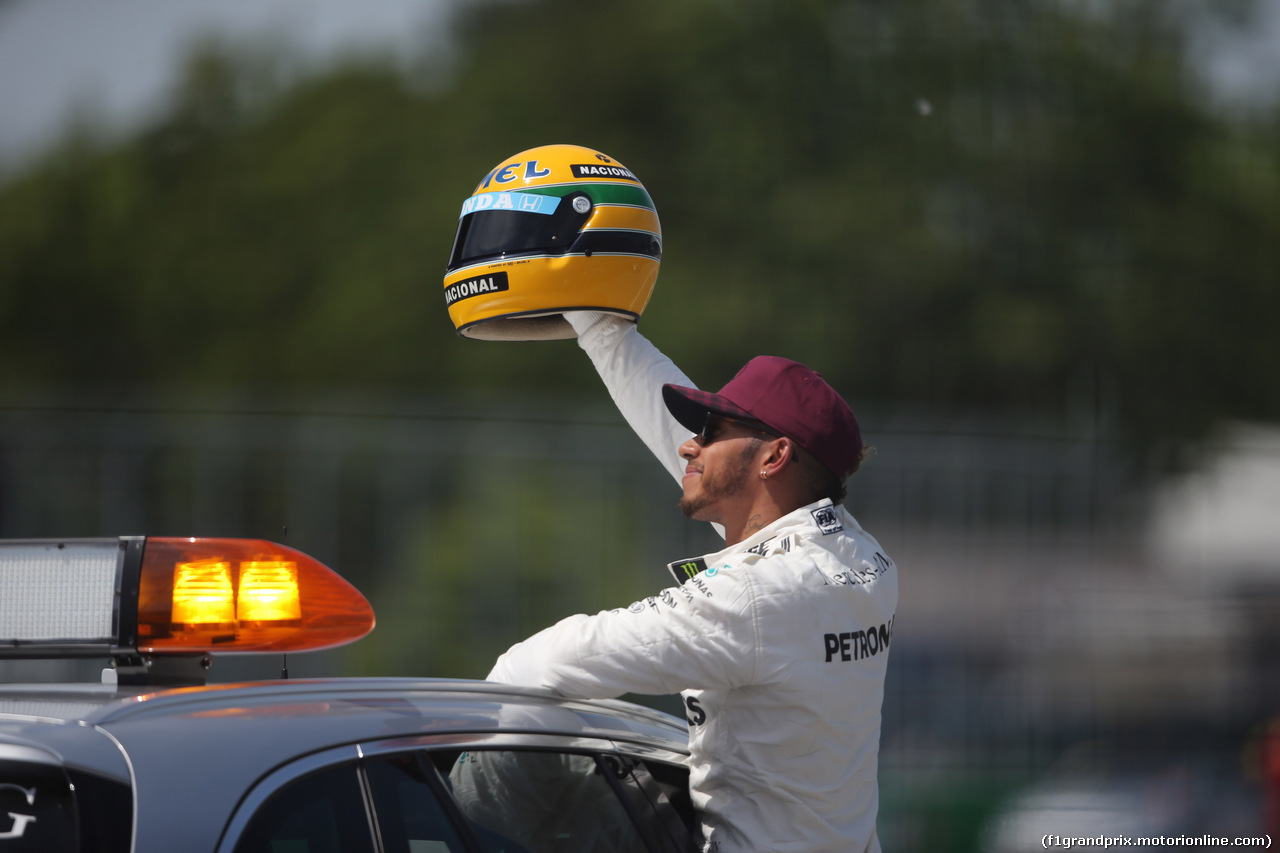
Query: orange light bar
x,y
243,595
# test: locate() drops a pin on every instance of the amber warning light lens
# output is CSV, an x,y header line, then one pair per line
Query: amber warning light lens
x,y
243,595
202,593
269,591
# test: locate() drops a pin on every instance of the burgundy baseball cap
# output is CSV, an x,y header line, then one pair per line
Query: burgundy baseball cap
x,y
785,396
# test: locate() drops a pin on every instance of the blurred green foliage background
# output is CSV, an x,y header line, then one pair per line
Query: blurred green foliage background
x,y
1034,210
1017,204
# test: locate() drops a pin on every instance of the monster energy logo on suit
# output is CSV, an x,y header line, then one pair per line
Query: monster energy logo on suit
x,y
683,570
491,283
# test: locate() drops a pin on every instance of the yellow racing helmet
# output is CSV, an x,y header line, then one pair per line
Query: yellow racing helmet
x,y
553,229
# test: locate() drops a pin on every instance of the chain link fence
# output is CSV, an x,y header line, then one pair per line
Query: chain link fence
x,y
1039,632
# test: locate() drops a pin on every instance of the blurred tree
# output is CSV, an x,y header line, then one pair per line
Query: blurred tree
x,y
950,201
502,561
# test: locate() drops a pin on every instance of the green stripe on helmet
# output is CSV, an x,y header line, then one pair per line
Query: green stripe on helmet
x,y
600,193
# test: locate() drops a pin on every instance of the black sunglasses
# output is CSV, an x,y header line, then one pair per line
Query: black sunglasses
x,y
711,426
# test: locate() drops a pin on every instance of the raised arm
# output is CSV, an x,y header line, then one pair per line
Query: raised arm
x,y
634,371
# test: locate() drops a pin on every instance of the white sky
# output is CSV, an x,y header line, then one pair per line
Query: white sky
x,y
116,59
1243,65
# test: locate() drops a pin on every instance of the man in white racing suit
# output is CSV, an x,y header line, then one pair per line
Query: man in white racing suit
x,y
779,642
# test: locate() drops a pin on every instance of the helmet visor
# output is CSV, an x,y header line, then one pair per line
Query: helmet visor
x,y
497,224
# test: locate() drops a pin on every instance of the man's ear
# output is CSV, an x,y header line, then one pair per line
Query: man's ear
x,y
781,451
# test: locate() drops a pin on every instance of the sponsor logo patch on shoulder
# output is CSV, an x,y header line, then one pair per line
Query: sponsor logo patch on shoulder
x,y
773,545
683,570
827,520
491,283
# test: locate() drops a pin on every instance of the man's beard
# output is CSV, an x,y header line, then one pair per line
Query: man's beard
x,y
717,486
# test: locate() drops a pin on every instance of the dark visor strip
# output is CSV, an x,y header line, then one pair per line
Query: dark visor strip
x,y
617,243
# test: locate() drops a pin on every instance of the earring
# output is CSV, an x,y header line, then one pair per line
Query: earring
x,y
764,475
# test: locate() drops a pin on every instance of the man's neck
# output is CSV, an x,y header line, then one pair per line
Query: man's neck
x,y
758,515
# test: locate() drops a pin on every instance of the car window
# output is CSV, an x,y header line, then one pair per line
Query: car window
x,y
410,816
495,801
105,811
658,795
37,809
321,813
50,809
531,802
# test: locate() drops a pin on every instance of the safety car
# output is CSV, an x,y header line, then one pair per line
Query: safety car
x,y
156,760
